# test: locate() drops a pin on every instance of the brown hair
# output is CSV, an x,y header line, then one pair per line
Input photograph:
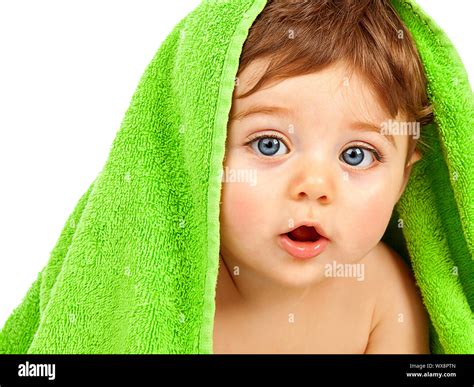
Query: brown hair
x,y
305,36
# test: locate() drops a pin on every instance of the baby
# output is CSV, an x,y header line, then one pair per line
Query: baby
x,y
321,90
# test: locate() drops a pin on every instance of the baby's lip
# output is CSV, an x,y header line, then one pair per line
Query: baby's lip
x,y
316,225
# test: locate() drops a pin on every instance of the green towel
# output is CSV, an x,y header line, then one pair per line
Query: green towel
x,y
135,267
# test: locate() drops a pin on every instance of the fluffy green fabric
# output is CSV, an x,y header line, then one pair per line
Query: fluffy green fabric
x,y
437,207
135,267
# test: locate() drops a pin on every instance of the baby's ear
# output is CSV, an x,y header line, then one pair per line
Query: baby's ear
x,y
416,156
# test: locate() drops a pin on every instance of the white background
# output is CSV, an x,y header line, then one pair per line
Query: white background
x,y
67,74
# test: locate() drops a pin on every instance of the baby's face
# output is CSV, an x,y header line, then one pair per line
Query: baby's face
x,y
325,166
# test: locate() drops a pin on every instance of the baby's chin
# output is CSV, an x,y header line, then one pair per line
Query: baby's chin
x,y
299,278
289,272
294,274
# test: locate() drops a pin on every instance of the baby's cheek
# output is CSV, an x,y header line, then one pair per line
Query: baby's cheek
x,y
376,214
240,209
367,215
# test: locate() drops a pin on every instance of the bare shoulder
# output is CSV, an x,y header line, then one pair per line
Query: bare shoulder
x,y
400,321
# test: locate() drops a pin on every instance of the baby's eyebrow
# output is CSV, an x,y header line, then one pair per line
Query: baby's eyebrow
x,y
261,109
285,112
370,127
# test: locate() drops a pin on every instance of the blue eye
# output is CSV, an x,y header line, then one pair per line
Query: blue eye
x,y
268,145
359,156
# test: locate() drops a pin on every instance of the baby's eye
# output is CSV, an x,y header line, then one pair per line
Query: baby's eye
x,y
360,157
269,145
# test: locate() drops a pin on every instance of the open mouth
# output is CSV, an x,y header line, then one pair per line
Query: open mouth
x,y
304,234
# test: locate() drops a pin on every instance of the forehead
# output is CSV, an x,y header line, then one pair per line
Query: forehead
x,y
335,97
335,86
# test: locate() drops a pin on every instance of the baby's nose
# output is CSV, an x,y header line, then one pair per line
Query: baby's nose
x,y
313,183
